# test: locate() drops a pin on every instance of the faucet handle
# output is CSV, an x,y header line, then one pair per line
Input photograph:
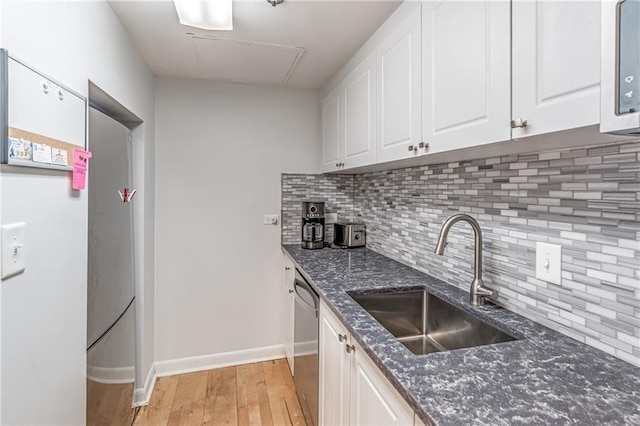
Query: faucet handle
x,y
488,293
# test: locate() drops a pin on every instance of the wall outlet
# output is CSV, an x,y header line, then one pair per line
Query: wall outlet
x,y
270,219
14,250
331,217
549,263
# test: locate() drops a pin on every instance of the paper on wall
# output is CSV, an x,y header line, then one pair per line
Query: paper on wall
x,y
41,153
19,149
59,157
80,163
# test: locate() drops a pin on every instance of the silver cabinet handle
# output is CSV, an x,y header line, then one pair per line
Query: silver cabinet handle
x,y
287,268
290,291
351,348
342,337
416,148
519,122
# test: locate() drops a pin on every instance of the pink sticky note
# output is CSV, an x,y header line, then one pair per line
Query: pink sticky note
x,y
80,162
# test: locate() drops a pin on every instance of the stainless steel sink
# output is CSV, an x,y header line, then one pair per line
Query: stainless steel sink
x,y
427,324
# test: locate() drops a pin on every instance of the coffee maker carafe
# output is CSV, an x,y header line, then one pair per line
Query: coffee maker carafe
x,y
312,225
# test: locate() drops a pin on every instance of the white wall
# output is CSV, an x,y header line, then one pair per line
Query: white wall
x,y
220,150
1,45
44,309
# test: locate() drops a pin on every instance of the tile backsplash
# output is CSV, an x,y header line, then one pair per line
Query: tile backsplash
x,y
585,200
337,192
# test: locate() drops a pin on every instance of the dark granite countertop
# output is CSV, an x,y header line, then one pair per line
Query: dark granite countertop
x,y
543,379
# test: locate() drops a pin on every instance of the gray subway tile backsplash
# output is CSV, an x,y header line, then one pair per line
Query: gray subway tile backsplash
x,y
586,200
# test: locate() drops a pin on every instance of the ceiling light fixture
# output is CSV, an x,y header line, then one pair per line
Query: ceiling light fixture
x,y
205,14
274,3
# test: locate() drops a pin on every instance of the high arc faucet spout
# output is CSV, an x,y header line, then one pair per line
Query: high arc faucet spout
x,y
479,293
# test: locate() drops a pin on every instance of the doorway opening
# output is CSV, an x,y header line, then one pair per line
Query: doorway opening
x,y
111,288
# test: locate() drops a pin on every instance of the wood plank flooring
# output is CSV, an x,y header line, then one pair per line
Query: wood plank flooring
x,y
251,394
109,404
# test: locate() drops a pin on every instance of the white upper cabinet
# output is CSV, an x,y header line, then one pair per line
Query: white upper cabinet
x,y
399,82
466,73
359,93
556,65
461,73
332,136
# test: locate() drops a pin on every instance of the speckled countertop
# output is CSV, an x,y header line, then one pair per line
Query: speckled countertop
x,y
543,379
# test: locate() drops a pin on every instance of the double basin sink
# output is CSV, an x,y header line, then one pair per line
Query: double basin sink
x,y
425,323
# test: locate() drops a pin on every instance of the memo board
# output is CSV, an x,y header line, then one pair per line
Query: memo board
x,y
41,121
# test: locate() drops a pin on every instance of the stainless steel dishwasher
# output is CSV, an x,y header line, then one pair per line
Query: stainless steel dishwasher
x,y
305,349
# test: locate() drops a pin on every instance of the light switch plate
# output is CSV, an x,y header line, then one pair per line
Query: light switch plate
x,y
14,250
549,262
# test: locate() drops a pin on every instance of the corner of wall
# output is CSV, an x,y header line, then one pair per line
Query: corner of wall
x,y
142,396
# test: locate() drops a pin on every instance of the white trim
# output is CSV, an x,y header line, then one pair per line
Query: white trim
x,y
309,347
142,396
111,375
226,359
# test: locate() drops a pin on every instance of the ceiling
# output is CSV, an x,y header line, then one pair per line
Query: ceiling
x,y
299,43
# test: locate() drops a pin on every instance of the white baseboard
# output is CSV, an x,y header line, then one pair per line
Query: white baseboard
x,y
142,396
226,359
309,347
111,375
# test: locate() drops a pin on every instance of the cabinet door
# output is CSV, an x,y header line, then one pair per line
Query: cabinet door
x,y
332,134
399,88
466,68
374,401
359,92
556,65
289,309
418,421
333,370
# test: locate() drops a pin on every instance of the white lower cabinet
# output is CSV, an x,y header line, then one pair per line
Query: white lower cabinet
x,y
373,400
333,380
418,421
353,391
289,303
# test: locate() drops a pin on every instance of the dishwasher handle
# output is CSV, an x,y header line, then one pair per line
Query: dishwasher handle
x,y
307,289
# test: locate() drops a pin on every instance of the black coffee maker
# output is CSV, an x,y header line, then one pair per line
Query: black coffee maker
x,y
312,224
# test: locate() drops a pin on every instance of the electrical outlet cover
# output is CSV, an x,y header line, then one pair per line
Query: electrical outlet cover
x,y
549,262
270,219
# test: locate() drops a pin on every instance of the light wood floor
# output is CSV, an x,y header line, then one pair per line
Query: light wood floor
x,y
109,405
251,394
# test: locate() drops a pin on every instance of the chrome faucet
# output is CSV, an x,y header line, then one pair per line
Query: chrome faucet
x,y
479,293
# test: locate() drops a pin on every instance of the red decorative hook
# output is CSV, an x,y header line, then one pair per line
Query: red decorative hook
x,y
126,194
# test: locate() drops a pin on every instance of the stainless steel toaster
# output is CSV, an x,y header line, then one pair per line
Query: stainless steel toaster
x,y
349,234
